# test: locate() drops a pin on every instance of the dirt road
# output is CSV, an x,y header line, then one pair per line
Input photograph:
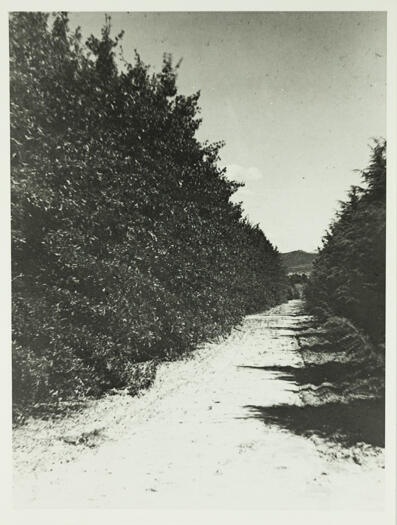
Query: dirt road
x,y
202,437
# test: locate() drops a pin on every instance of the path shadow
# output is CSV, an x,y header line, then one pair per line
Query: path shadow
x,y
297,328
347,424
330,372
343,421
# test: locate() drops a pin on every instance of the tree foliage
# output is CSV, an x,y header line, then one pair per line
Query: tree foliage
x,y
348,278
125,244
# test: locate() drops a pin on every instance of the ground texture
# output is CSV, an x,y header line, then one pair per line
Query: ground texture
x,y
229,427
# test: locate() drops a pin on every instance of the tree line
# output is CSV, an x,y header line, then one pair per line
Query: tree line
x,y
348,277
126,246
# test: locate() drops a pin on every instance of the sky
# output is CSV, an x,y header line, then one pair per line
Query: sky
x,y
296,96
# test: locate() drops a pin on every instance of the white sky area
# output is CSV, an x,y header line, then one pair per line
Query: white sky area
x,y
295,96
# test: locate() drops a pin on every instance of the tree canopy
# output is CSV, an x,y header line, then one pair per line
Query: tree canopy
x,y
348,277
125,243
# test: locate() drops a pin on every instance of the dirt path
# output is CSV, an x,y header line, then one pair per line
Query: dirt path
x,y
198,439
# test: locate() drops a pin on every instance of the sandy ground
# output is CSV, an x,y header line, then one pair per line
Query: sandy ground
x,y
196,439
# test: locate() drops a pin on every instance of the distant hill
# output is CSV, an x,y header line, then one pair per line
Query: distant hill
x,y
298,261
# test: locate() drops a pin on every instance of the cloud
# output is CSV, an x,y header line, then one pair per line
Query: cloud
x,y
242,174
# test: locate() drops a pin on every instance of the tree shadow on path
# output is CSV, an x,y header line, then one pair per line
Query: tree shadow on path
x,y
344,423
334,372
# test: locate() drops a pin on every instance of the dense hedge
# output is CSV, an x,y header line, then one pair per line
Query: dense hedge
x,y
348,277
125,244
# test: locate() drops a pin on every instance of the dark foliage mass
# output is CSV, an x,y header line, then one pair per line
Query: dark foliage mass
x,y
125,244
297,283
348,277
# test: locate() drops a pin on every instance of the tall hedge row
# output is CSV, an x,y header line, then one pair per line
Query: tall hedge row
x,y
125,244
348,277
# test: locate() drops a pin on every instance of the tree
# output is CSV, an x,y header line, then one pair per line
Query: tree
x,y
125,244
348,277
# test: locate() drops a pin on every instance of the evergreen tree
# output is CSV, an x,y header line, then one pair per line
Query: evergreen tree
x,y
348,277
